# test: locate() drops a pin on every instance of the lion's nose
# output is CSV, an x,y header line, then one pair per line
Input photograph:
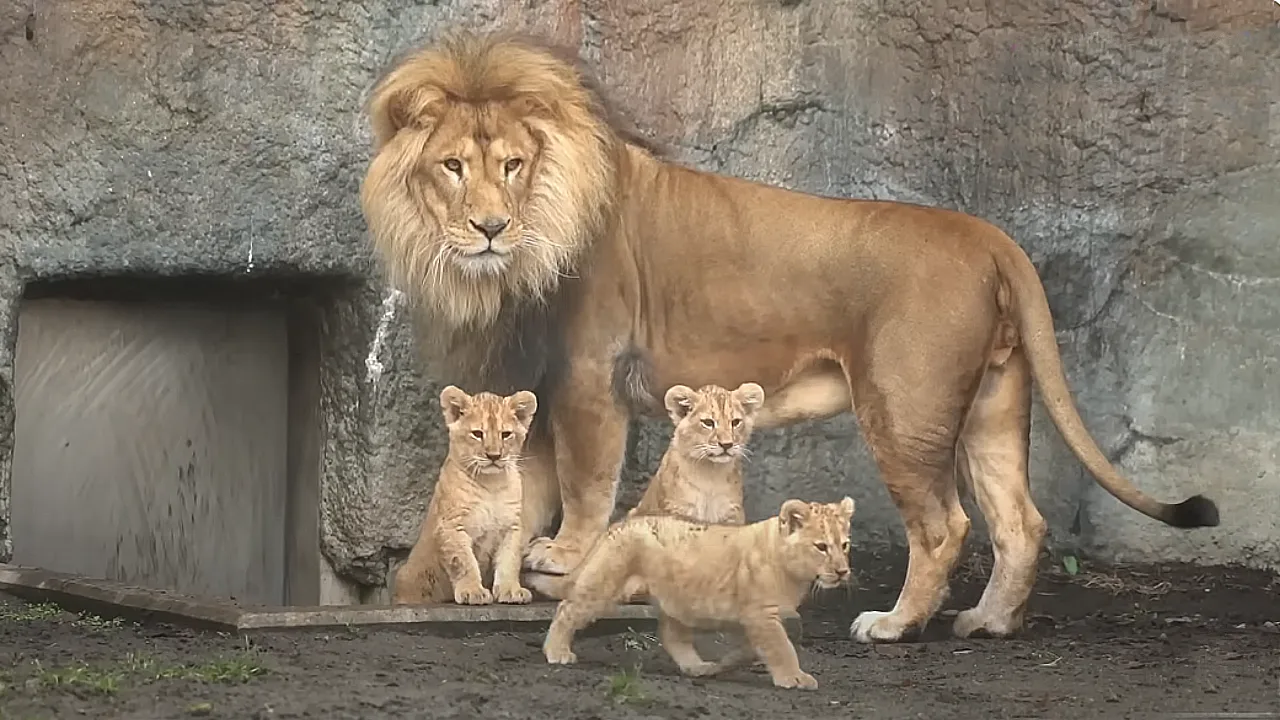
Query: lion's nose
x,y
726,446
491,226
842,573
493,456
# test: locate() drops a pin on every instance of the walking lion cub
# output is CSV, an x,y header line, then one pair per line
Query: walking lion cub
x,y
702,576
472,526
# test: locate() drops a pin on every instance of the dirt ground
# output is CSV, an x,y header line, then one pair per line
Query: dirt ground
x,y
1149,642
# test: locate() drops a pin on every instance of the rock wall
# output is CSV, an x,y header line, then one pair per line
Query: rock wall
x,y
1134,150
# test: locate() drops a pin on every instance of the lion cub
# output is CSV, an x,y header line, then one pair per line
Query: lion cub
x,y
472,525
709,576
700,476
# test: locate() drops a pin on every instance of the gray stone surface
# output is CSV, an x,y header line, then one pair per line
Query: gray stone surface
x,y
1134,149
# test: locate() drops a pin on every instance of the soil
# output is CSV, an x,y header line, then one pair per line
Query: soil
x,y
1137,642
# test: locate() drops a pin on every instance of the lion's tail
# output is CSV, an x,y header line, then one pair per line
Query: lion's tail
x,y
1035,326
632,382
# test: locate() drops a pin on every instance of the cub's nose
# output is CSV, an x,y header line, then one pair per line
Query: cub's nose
x,y
491,226
726,446
842,574
493,456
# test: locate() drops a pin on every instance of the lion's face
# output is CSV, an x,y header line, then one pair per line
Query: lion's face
x,y
487,432
472,180
491,176
816,540
712,423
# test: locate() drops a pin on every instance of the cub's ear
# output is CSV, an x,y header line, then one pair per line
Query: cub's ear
x,y
524,404
793,515
846,506
455,403
751,396
679,402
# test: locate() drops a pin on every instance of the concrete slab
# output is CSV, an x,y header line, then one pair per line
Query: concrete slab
x,y
113,599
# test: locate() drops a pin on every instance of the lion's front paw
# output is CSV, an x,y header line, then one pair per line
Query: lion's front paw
x,y
702,669
799,679
476,595
551,556
513,595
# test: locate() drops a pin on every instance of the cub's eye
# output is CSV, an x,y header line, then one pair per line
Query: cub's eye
x,y
736,422
506,434
822,547
708,423
477,434
453,165
845,546
513,166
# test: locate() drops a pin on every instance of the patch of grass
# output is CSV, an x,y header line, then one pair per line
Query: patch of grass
x,y
78,677
240,667
234,669
34,612
626,687
94,622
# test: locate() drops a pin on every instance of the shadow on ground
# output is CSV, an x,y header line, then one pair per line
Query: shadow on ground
x,y
1139,642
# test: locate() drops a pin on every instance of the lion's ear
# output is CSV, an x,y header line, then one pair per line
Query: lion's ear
x,y
793,515
524,404
751,396
397,106
679,402
454,403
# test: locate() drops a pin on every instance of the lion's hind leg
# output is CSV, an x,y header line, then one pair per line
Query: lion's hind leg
x,y
993,455
911,406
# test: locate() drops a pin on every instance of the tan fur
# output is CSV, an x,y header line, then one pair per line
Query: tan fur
x,y
700,476
471,531
931,325
704,576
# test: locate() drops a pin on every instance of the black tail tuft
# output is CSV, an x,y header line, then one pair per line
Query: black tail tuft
x,y
1195,511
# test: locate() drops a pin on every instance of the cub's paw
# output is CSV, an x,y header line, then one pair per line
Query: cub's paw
x,y
513,596
551,556
703,669
559,656
477,595
800,679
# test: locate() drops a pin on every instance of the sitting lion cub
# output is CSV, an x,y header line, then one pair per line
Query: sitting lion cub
x,y
700,476
472,525
709,576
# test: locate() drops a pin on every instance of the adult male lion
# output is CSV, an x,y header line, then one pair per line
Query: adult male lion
x,y
549,252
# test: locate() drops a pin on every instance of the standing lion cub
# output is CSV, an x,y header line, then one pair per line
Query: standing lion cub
x,y
700,476
703,576
472,525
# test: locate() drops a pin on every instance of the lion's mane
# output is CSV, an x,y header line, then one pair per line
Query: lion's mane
x,y
495,332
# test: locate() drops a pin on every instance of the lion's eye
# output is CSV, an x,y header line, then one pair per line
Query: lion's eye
x,y
845,546
736,422
477,434
822,547
453,165
506,434
708,423
513,166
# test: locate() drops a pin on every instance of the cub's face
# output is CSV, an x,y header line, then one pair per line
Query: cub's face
x,y
712,423
473,177
816,540
487,432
